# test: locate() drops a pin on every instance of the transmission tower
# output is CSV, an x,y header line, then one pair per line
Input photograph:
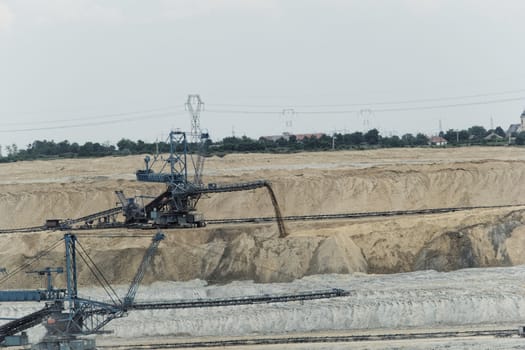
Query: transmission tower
x,y
288,114
194,105
366,114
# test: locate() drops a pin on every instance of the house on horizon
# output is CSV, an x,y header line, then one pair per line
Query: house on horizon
x,y
274,138
493,137
437,141
298,137
516,128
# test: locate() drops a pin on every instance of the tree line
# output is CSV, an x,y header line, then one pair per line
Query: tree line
x,y
475,135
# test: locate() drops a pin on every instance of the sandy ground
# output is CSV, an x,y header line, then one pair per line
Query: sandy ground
x,y
347,253
457,343
422,301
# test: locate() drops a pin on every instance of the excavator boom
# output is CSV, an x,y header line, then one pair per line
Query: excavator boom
x,y
146,261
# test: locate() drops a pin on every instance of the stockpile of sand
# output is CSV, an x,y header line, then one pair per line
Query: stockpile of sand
x,y
305,183
419,299
209,255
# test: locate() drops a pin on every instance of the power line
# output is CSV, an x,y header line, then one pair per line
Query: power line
x,y
101,116
163,112
176,108
81,125
395,109
398,102
232,111
454,105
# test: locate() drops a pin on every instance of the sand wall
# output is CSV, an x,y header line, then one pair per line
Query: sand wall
x,y
308,183
305,191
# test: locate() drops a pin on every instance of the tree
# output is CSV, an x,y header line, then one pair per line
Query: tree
x,y
355,138
452,136
477,132
372,137
499,131
75,147
125,144
421,140
520,139
457,136
282,142
393,141
325,142
63,147
463,136
12,150
311,143
408,139
338,140
141,146
86,150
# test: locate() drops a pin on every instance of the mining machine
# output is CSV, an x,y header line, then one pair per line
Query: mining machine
x,y
71,320
181,173
176,205
67,317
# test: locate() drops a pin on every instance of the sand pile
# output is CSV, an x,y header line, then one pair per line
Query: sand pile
x,y
399,301
259,256
306,183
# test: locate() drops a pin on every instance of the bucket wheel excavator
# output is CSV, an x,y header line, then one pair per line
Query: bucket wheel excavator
x,y
176,206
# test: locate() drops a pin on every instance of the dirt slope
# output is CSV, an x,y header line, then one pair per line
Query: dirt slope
x,y
305,183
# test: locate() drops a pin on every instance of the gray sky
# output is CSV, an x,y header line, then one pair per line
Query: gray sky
x,y
128,66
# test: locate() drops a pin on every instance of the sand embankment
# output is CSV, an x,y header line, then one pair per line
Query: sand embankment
x,y
305,183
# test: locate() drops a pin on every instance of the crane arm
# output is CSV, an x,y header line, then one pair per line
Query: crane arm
x,y
146,260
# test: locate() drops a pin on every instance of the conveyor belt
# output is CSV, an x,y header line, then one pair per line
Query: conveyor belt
x,y
357,215
312,217
283,340
245,186
94,216
249,300
25,322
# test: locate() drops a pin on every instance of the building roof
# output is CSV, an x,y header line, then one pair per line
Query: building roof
x,y
513,128
437,139
493,136
300,137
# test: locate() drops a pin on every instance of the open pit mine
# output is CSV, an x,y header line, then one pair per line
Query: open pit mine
x,y
379,249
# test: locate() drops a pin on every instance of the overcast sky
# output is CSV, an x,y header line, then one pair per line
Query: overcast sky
x,y
88,70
